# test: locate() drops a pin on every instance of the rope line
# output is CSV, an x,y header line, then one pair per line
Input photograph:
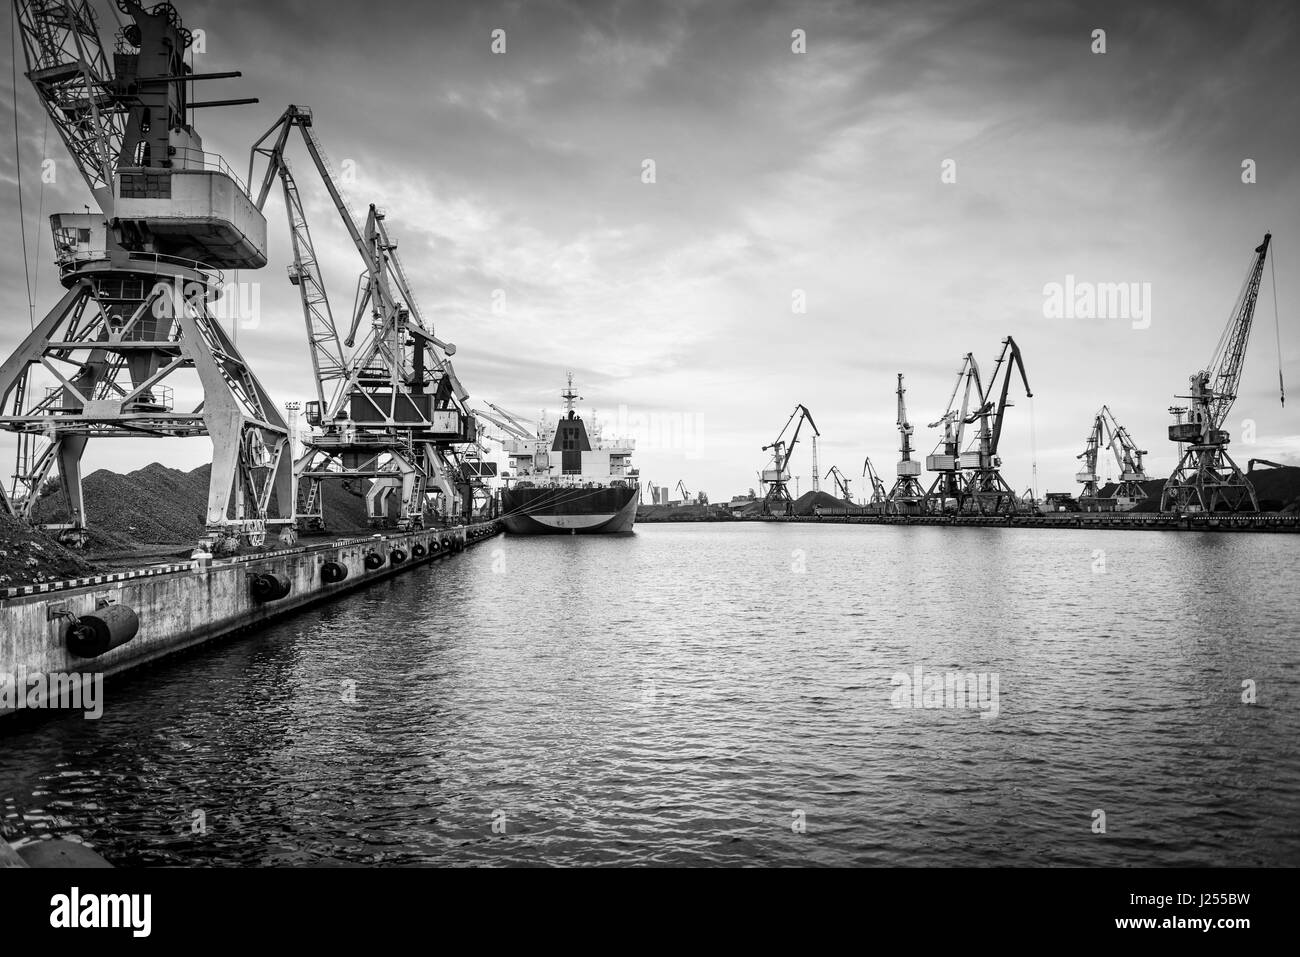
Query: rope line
x,y
525,510
40,208
1033,446
18,171
1277,325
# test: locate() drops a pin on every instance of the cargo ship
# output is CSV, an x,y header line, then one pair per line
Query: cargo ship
x,y
567,480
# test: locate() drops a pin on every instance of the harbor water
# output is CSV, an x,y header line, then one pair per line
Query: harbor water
x,y
727,694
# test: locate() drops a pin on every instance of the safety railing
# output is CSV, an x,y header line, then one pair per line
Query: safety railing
x,y
69,260
187,158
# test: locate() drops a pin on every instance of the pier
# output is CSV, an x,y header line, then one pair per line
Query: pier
x,y
177,607
1147,521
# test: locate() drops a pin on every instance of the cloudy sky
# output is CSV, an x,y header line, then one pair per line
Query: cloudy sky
x,y
778,176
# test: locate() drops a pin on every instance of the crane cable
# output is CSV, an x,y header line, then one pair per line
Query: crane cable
x,y
1277,326
40,208
18,170
1033,446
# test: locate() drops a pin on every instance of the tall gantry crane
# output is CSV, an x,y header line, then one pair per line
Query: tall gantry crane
x,y
947,491
1132,473
389,407
1207,479
906,497
1107,433
879,496
776,477
986,490
841,483
1087,474
133,348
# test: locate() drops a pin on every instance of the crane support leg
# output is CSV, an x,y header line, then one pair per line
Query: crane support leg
x,y
70,449
1208,480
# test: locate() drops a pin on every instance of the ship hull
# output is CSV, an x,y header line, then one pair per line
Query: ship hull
x,y
569,511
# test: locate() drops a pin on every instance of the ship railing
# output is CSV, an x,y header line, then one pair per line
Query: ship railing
x,y
574,482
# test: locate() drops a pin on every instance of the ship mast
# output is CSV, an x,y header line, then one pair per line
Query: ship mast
x,y
570,398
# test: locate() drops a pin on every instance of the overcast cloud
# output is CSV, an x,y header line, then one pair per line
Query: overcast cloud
x,y
776,172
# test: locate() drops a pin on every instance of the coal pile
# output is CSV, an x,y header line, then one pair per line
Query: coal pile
x,y
157,505
1278,490
809,502
682,513
29,556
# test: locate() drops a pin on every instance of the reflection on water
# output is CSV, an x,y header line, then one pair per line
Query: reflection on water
x,y
717,694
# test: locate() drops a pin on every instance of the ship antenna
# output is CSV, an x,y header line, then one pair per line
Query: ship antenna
x,y
570,397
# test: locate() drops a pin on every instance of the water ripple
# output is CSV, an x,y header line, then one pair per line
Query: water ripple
x,y
686,696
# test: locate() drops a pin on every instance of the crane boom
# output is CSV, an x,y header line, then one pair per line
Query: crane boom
x,y
904,427
329,364
1230,355
1008,345
878,494
1127,455
508,427
841,483
67,65
517,420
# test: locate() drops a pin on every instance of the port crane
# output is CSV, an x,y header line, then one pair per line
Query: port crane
x,y
878,494
986,490
1128,458
681,487
1087,475
1107,433
1207,479
906,497
776,478
389,407
947,491
841,483
136,328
